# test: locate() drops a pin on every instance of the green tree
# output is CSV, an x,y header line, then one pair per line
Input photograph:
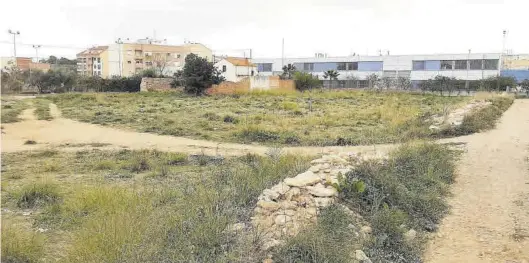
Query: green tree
x,y
198,74
403,83
373,81
331,75
306,81
288,71
388,82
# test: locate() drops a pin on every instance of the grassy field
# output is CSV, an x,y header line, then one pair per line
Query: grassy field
x,y
132,206
337,118
148,206
11,108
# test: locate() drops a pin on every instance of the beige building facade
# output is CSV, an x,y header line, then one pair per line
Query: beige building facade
x,y
128,59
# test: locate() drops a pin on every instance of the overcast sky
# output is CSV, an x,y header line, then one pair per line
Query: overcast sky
x,y
336,27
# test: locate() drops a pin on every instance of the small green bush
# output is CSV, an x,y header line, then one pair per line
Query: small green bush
x,y
254,133
30,142
406,191
36,195
482,119
175,158
230,119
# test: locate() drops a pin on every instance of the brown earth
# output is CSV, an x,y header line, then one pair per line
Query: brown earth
x,y
489,220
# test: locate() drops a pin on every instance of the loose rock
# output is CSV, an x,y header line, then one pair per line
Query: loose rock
x,y
360,255
303,179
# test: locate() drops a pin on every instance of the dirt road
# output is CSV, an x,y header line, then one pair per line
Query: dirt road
x,y
489,220
60,131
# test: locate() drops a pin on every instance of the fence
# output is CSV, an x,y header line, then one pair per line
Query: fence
x,y
256,83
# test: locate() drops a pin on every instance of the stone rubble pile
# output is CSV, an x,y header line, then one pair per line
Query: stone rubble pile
x,y
455,117
295,202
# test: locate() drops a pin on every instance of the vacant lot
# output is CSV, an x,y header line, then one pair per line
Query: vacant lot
x,y
148,206
337,118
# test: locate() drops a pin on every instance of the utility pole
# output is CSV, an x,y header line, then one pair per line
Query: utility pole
x,y
282,54
500,62
120,43
14,33
36,47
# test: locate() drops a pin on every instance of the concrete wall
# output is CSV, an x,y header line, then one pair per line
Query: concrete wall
x,y
256,83
156,84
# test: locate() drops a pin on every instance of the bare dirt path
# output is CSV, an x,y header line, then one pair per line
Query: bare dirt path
x,y
59,132
489,220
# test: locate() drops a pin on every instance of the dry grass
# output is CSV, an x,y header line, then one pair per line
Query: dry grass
x,y
11,108
345,117
136,206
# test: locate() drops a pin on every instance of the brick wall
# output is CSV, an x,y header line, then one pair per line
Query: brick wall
x,y
156,84
252,84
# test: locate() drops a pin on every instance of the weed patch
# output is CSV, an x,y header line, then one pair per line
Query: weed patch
x,y
37,194
406,191
11,109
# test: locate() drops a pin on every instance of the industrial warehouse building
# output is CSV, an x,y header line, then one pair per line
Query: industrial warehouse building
x,y
470,66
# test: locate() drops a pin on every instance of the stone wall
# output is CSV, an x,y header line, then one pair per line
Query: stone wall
x,y
287,207
156,84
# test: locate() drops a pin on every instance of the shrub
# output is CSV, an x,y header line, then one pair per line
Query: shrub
x,y
36,195
230,119
254,133
482,119
306,81
30,142
175,158
407,190
20,245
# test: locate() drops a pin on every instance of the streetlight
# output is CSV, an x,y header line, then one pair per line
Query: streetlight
x,y
36,47
14,33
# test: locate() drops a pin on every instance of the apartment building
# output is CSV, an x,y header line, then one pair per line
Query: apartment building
x,y
93,62
469,66
128,59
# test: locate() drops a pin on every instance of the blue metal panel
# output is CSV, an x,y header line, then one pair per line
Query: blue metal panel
x,y
370,66
519,75
260,67
324,66
432,65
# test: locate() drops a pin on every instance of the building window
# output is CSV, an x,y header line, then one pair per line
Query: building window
x,y
352,66
223,68
98,60
139,61
252,72
177,55
148,63
95,66
264,67
308,66
99,73
461,64
490,64
475,64
447,64
418,65
98,66
341,66
129,62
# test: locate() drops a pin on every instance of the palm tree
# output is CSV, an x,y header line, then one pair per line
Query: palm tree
x,y
288,71
331,74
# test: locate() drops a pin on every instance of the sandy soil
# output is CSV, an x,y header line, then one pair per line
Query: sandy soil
x,y
489,220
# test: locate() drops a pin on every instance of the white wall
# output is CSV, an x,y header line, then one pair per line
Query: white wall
x,y
230,74
393,63
113,59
